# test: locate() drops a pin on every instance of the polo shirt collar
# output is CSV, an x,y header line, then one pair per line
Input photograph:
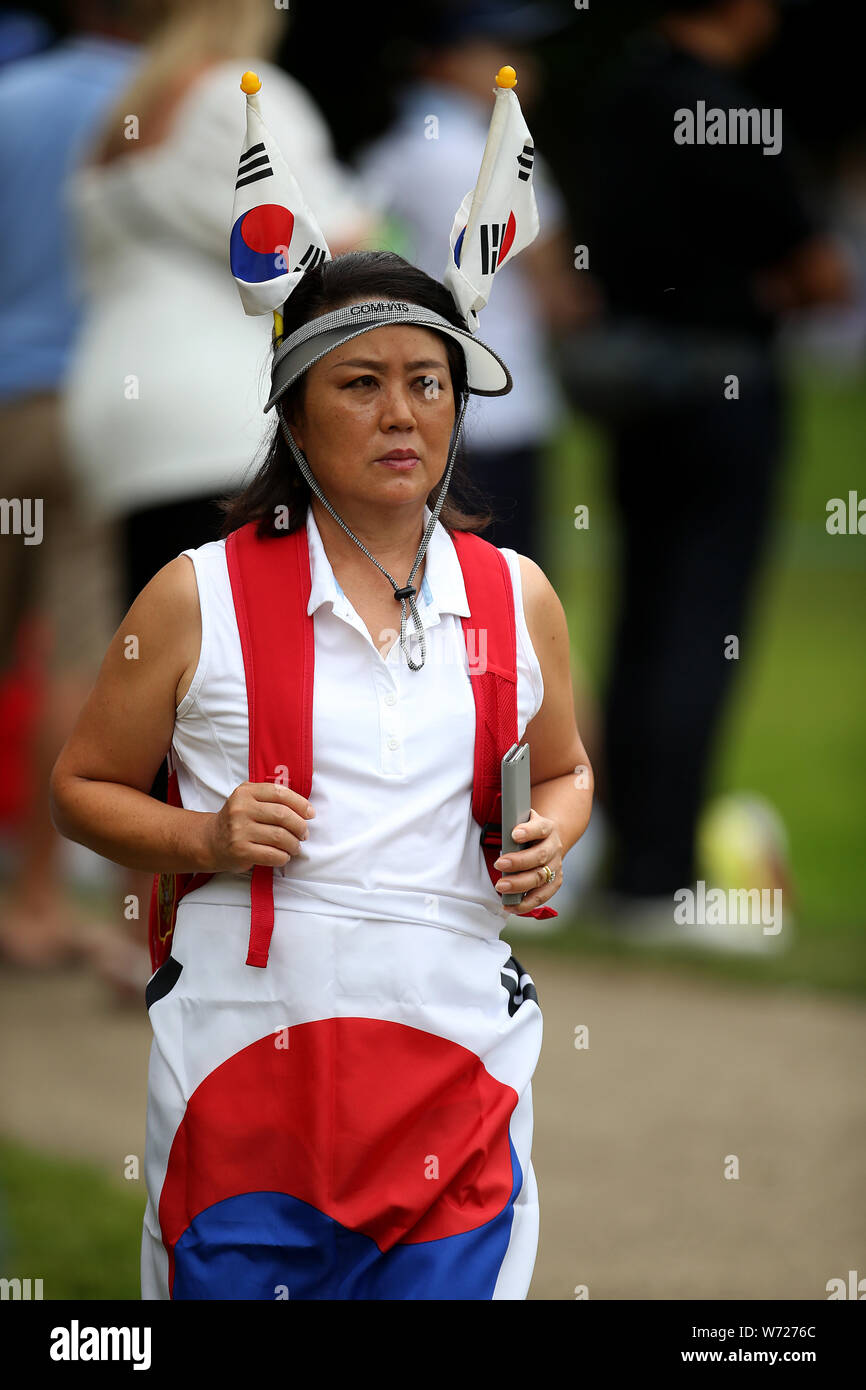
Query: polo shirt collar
x,y
442,590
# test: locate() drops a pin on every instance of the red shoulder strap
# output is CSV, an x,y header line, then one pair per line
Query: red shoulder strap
x,y
491,644
270,579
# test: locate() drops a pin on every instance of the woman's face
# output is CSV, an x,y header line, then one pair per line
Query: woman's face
x,y
385,392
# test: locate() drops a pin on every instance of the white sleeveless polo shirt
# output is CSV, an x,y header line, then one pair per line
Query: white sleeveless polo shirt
x,y
393,836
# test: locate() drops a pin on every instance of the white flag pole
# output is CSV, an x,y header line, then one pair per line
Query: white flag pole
x,y
506,80
251,85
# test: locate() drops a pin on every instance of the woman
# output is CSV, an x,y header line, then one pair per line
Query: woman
x,y
355,1119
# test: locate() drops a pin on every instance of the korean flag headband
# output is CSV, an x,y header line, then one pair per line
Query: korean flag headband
x,y
275,239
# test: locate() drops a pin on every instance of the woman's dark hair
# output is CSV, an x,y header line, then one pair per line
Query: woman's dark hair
x,y
355,275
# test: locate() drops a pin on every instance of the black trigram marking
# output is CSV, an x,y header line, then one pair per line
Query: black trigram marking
x,y
163,982
253,165
518,983
491,240
524,159
313,256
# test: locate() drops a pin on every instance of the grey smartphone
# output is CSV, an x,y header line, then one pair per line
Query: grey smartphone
x,y
516,802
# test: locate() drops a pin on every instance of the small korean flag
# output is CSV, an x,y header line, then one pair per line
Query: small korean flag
x,y
274,237
498,217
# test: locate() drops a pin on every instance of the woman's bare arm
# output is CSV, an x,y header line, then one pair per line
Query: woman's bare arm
x,y
561,774
101,781
562,781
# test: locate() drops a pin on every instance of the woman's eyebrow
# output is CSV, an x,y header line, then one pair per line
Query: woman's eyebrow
x,y
377,364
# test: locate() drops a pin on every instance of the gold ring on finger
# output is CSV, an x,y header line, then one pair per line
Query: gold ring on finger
x,y
549,874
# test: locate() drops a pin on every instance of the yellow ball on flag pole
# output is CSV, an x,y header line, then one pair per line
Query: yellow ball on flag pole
x,y
506,77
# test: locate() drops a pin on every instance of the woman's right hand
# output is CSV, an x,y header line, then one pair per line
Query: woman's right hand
x,y
260,823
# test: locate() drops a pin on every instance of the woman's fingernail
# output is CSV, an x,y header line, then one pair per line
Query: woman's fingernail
x,y
309,813
503,886
502,864
518,834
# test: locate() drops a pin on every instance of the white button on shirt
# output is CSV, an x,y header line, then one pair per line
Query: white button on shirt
x,y
393,836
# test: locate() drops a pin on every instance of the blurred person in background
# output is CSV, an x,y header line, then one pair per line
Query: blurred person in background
x,y
64,586
834,337
699,248
164,401
426,161
22,34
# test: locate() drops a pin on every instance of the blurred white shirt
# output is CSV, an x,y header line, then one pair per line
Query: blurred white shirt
x,y
421,181
166,389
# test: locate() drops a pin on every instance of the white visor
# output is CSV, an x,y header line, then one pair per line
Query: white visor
x,y
487,374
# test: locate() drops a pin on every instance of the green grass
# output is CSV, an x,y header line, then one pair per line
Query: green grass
x,y
69,1225
795,730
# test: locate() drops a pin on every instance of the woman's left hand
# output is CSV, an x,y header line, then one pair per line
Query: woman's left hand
x,y
523,870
